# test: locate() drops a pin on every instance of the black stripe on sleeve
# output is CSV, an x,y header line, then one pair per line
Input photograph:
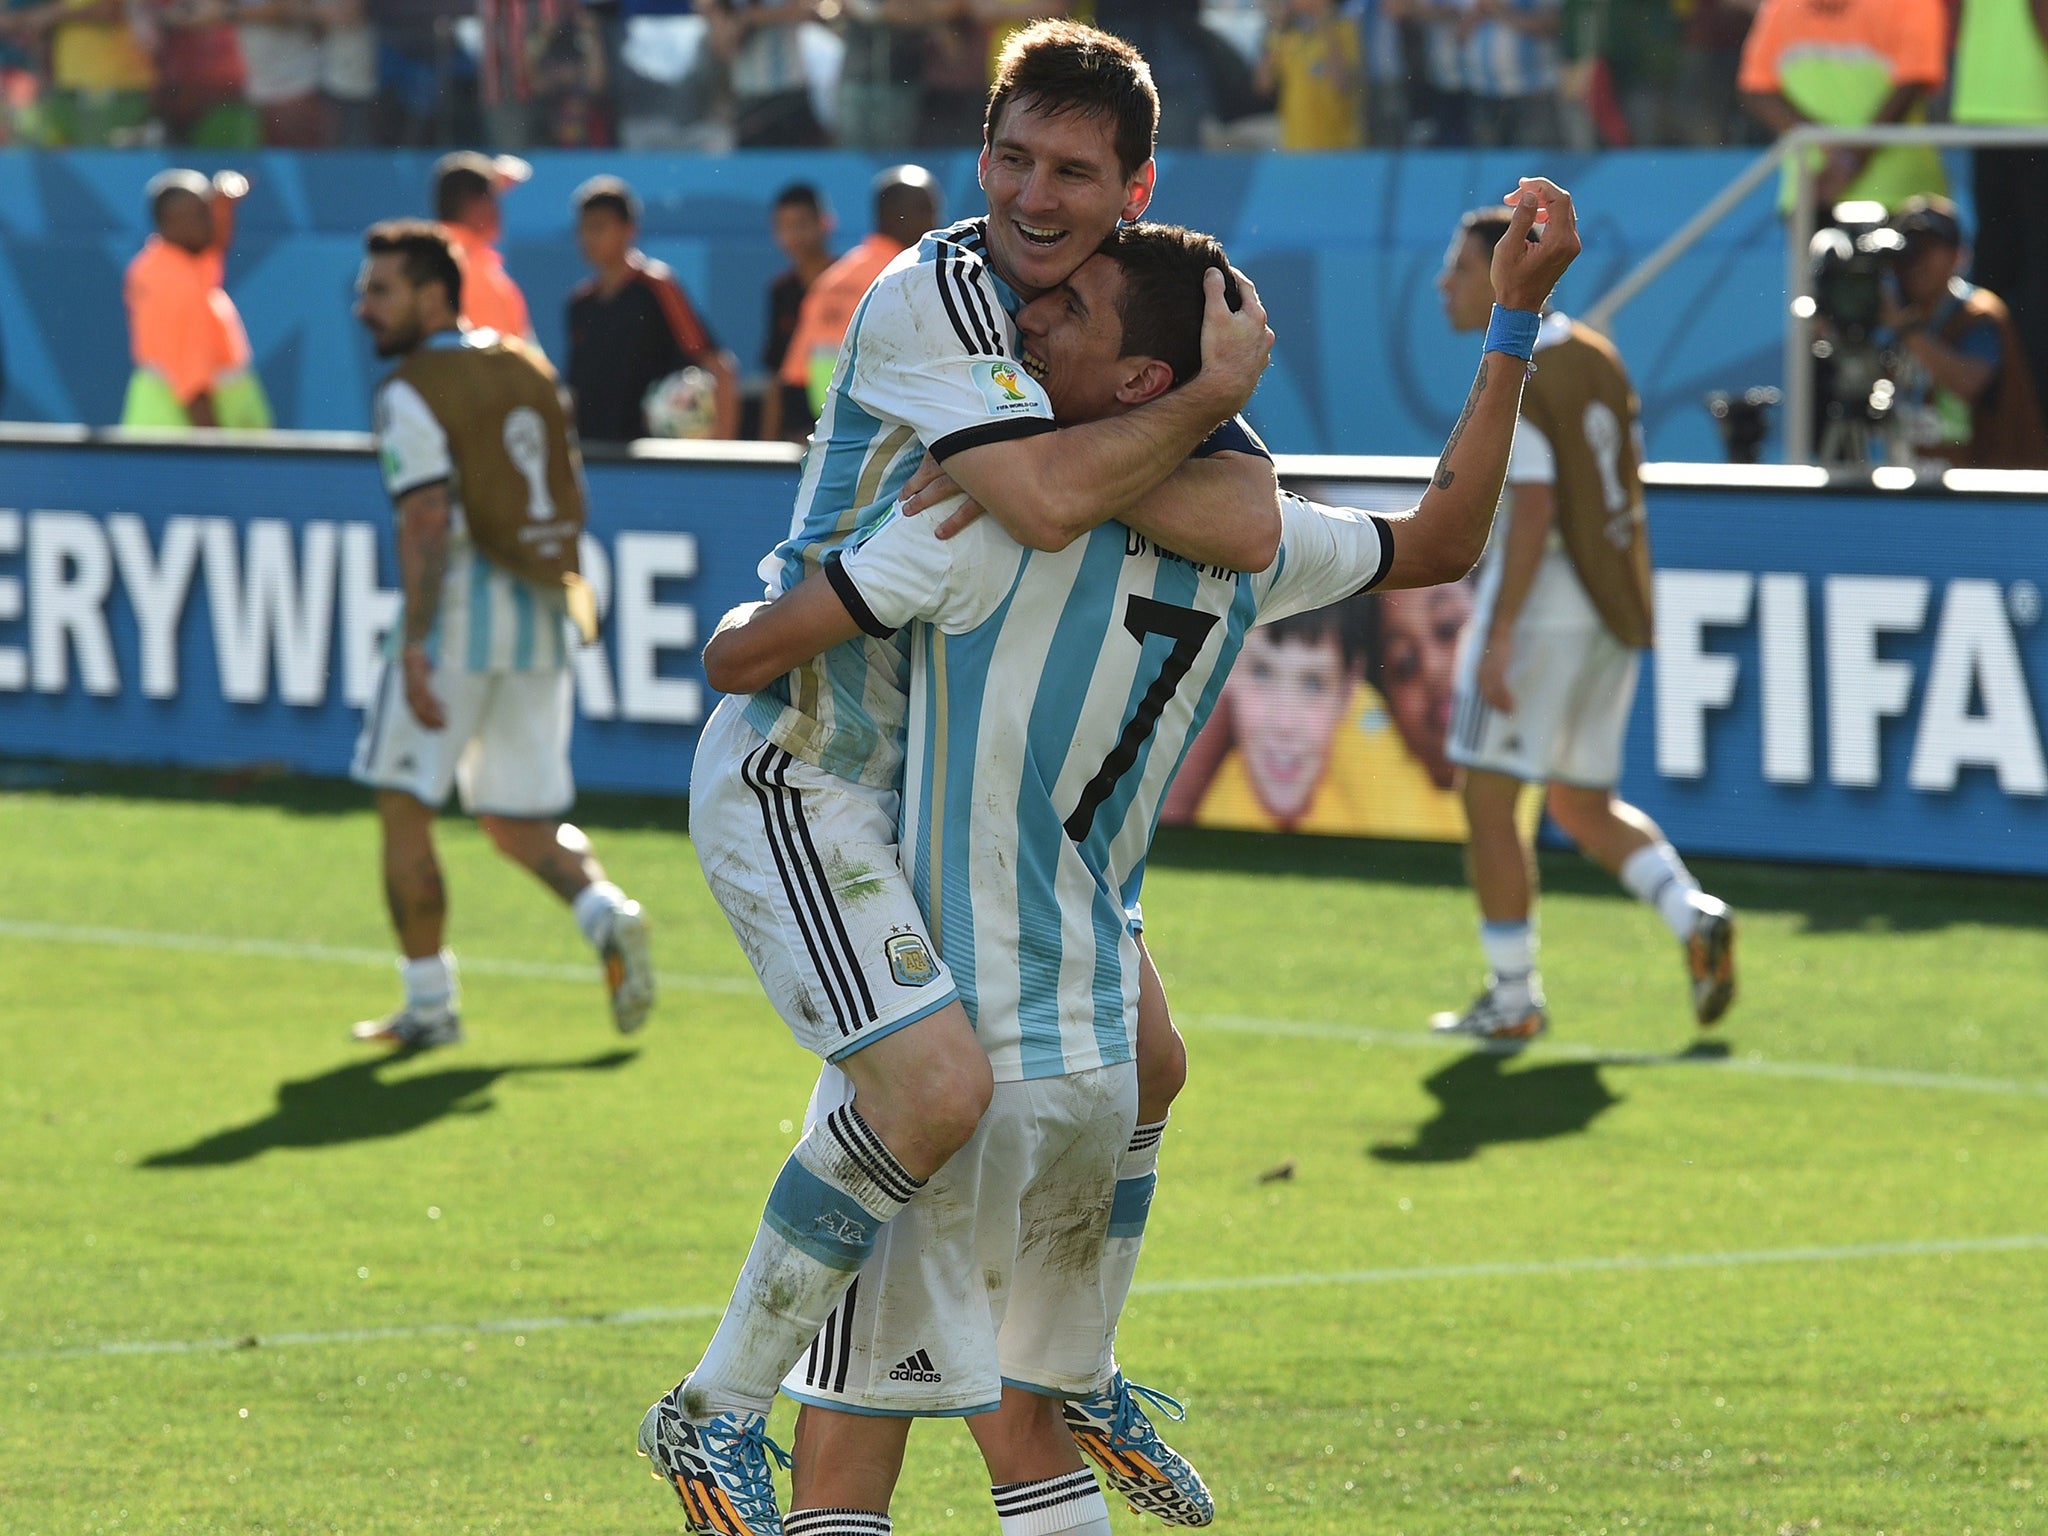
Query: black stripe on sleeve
x,y
849,594
982,433
1386,551
973,303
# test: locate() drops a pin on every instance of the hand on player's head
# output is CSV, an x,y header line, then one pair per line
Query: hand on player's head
x,y
1236,344
1542,240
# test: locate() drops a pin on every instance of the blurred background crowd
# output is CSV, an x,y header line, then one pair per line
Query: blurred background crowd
x,y
709,75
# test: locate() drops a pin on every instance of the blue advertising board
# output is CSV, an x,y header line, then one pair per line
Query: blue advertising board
x,y
1853,676
187,605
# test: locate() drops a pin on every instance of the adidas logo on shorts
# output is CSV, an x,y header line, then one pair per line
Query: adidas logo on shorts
x,y
918,1367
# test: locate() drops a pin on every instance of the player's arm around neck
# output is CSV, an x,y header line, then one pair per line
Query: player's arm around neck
x,y
1048,490
1444,537
758,642
1223,510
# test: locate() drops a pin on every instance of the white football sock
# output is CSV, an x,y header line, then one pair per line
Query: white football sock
x,y
430,982
1655,874
1053,1506
1137,1174
594,907
838,1188
834,1522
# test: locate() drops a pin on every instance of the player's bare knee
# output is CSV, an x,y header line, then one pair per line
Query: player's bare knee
x,y
955,1096
1162,1072
1578,812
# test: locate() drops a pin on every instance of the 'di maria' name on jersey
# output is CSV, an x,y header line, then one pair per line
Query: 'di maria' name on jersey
x,y
1136,545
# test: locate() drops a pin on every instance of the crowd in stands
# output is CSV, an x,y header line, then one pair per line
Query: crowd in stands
x,y
710,75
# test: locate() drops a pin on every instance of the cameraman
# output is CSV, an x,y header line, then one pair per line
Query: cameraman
x,y
1961,357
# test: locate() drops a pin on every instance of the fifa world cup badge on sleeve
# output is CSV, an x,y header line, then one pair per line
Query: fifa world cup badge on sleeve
x,y
1008,390
909,961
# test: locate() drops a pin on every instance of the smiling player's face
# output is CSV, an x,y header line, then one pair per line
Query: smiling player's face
x,y
1055,191
1072,342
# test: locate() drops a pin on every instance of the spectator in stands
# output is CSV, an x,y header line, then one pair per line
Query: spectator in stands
x,y
2002,77
427,83
881,78
192,358
101,76
201,79
571,103
1168,33
955,75
631,325
1618,74
1968,372
280,41
348,70
802,224
763,55
1714,31
1848,63
467,186
1392,46
1445,118
1313,60
906,205
1510,63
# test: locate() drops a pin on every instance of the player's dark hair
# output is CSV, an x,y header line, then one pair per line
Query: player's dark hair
x,y
1486,225
1346,623
1161,307
167,186
608,194
460,181
800,194
1062,66
428,254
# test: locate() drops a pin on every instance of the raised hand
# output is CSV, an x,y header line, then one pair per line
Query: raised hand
x,y
1542,240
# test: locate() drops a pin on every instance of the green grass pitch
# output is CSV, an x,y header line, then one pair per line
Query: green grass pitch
x,y
257,1280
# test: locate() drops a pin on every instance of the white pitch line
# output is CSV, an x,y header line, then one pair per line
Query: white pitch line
x,y
1303,1029
1823,1071
332,954
2024,1242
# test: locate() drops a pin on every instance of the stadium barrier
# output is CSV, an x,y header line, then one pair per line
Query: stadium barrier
x,y
1842,674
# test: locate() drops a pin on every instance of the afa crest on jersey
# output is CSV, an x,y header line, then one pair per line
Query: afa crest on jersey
x,y
909,961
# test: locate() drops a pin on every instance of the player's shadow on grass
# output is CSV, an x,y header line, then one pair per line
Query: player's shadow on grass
x,y
1480,1105
353,1103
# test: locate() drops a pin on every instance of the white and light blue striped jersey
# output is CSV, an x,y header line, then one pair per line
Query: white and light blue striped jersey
x,y
488,619
928,364
1052,699
1502,61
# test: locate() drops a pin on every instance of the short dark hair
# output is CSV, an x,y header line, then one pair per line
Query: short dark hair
x,y
166,186
1487,225
429,255
1063,66
800,194
460,180
609,193
1161,307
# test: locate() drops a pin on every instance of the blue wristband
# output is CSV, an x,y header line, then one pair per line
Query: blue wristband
x,y
1513,331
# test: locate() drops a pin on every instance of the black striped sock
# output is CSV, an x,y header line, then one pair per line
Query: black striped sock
x,y
1053,1506
834,1522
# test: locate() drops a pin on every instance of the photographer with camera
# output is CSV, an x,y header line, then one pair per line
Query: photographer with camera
x,y
1961,368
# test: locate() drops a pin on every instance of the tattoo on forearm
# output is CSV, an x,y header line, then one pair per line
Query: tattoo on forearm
x,y
423,590
1444,473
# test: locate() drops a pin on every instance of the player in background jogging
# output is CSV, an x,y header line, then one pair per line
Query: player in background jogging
x,y
1547,666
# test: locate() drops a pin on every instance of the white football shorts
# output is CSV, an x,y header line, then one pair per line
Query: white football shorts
x,y
993,1273
505,747
1573,685
804,864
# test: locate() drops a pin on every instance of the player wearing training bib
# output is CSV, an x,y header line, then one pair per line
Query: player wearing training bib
x,y
1053,696
795,792
1546,670
478,456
